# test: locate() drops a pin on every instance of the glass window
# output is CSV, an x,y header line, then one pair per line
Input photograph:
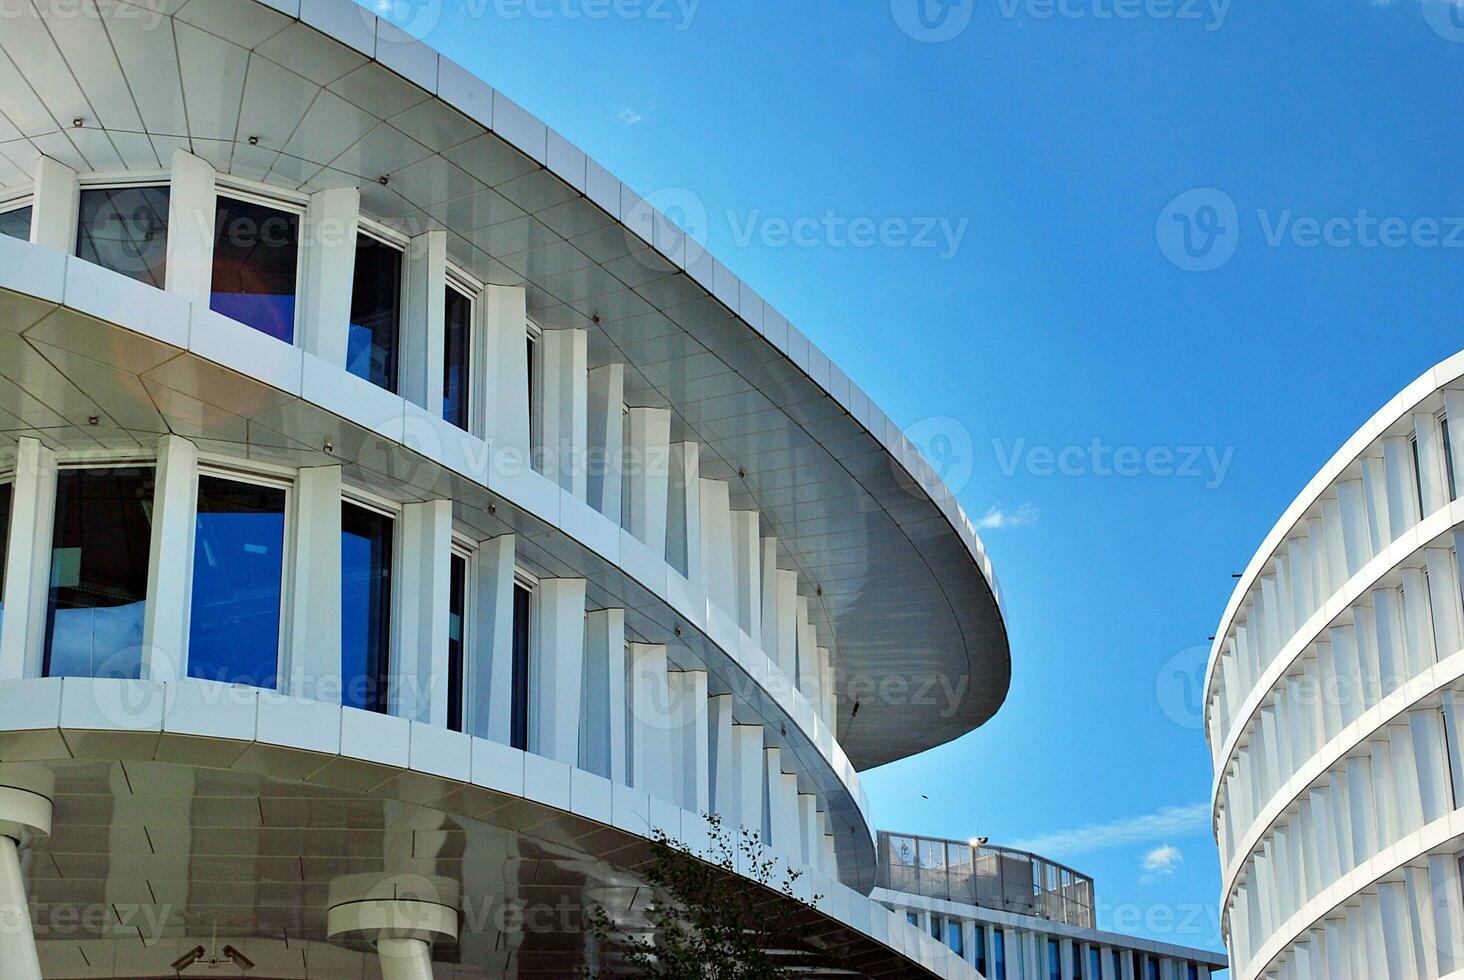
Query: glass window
x,y
913,918
456,604
99,561
980,942
936,927
954,939
1054,961
1095,965
1191,972
519,731
255,265
4,540
376,294
16,223
998,954
125,229
457,355
238,566
366,552
1151,968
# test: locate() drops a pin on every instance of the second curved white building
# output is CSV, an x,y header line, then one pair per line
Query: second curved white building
x,y
1334,711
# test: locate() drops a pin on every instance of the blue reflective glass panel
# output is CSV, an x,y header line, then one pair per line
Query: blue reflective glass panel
x,y
16,223
519,720
457,350
1054,964
376,301
125,229
980,941
366,554
998,955
255,263
99,561
4,539
456,603
238,565
954,939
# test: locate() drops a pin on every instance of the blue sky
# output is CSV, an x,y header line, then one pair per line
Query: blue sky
x,y
1068,168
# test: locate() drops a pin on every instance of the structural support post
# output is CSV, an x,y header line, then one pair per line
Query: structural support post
x,y
422,336
747,741
314,647
717,571
688,693
683,512
420,668
328,243
747,568
767,634
647,476
722,757
54,206
25,812
506,323
558,670
566,409
28,561
490,665
192,208
602,735
787,653
650,702
604,474
170,563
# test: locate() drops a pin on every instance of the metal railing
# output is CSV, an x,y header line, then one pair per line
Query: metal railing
x,y
986,876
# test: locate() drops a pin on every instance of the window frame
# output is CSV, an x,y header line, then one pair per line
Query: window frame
x,y
274,478
465,548
529,582
366,500
367,227
473,290
263,195
19,202
534,336
111,181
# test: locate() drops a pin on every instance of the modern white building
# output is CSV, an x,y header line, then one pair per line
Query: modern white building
x,y
1017,916
1334,712
401,519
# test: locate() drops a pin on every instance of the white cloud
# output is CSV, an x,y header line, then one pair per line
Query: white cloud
x,y
996,518
629,116
1161,862
1172,821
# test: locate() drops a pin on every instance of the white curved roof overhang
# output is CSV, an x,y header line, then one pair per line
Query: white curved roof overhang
x,y
167,367
1421,390
189,808
311,94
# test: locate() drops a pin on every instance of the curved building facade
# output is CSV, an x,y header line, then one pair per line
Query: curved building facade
x,y
1334,712
401,520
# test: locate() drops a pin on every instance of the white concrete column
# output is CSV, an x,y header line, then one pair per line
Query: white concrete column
x,y
650,698
829,855
1445,907
506,325
691,775
489,680
557,670
28,561
807,653
25,812
826,705
423,342
767,634
404,959
420,668
1433,477
604,477
683,512
747,568
313,647
54,206
328,251
717,571
566,409
783,790
722,758
787,652
602,736
170,562
810,832
747,745
192,209
647,476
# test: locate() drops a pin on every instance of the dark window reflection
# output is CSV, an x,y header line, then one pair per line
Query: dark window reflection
x,y
16,223
519,733
99,563
366,551
238,561
457,350
4,542
371,351
125,229
256,259
456,603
